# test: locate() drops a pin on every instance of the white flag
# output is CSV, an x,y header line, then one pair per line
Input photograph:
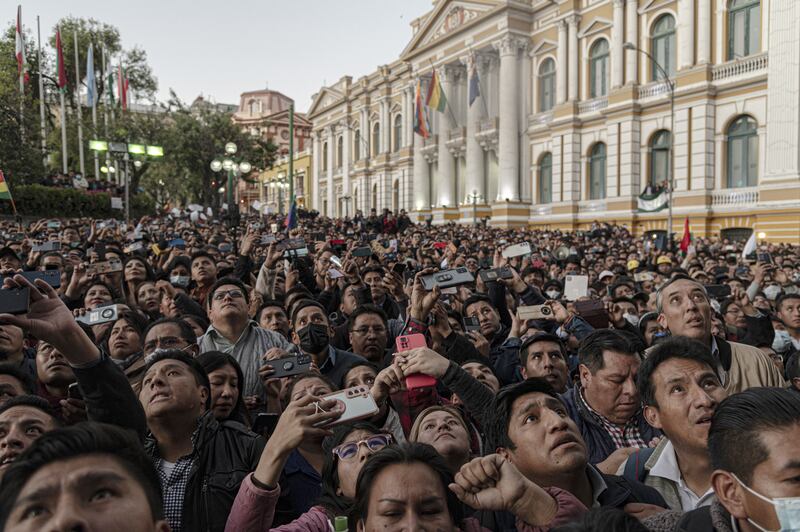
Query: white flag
x,y
750,247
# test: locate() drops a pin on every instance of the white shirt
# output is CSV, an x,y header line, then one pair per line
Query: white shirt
x,y
667,467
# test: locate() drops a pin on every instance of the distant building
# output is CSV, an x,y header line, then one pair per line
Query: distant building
x,y
202,103
265,114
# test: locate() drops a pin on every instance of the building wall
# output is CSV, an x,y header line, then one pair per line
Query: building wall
x,y
492,148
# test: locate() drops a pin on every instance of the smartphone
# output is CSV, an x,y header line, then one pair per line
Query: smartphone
x,y
517,250
400,268
136,246
99,315
225,247
14,300
51,277
764,257
54,225
535,312
576,286
335,274
718,291
447,278
177,243
357,402
74,391
363,295
268,239
265,423
109,266
439,245
417,380
594,312
291,365
490,276
472,324
53,245
365,251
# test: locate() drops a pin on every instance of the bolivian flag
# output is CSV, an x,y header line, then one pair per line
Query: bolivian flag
x,y
421,126
5,193
436,98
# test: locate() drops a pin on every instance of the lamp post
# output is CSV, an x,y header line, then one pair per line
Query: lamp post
x,y
347,198
233,169
671,86
474,197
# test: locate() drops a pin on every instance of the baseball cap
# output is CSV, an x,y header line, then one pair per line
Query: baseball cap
x,y
663,259
633,264
604,274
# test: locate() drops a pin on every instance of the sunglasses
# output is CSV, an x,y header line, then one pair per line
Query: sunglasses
x,y
235,294
349,450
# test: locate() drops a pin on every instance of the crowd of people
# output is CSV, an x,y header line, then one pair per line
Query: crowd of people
x,y
77,181
373,374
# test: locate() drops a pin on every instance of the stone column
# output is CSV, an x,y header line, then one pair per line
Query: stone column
x,y
632,36
574,75
704,33
422,198
386,126
365,135
346,141
316,165
507,138
331,150
561,67
617,51
408,117
447,170
686,33
474,151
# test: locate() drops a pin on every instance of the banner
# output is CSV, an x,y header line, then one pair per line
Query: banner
x,y
653,202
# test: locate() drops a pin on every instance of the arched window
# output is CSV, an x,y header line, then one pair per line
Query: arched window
x,y
253,107
742,153
357,145
376,139
375,196
339,152
597,172
744,28
546,178
547,85
663,47
598,69
660,158
324,156
398,132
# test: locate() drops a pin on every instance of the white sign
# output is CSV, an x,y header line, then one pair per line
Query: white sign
x,y
195,207
576,286
116,203
256,205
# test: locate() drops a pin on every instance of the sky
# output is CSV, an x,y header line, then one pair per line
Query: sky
x,y
223,48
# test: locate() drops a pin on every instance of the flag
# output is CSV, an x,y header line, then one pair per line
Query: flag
x,y
436,98
474,84
291,218
22,64
5,193
62,72
750,246
109,88
91,85
687,237
420,120
122,88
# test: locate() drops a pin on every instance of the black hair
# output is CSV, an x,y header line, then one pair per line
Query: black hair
x,y
199,372
366,309
359,364
338,504
33,401
405,453
590,351
497,431
784,297
672,347
187,333
270,303
80,440
792,366
602,519
148,271
227,281
540,337
373,269
646,318
13,370
214,360
475,298
305,303
98,282
201,320
199,254
178,261
299,378
734,438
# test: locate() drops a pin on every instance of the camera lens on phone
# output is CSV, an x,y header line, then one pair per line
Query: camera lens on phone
x,y
288,365
107,313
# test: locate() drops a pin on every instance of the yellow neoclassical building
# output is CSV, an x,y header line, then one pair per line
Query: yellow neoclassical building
x,y
583,107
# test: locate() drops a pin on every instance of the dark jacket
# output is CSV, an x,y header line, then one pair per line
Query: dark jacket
x,y
597,439
713,518
344,361
224,454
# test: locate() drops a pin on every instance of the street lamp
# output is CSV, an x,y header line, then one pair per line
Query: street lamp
x,y
233,169
671,86
347,198
474,197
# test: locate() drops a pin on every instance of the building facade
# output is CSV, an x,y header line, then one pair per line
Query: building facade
x,y
577,117
275,183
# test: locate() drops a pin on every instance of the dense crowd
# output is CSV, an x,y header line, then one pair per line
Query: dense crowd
x,y
372,374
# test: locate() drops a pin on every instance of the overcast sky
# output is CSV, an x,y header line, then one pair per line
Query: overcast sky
x,y
222,48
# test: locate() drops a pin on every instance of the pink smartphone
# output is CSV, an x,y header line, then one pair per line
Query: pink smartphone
x,y
417,380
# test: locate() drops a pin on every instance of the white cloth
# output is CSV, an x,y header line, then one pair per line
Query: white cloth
x,y
667,467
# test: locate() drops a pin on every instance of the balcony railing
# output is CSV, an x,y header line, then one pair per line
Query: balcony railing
x,y
655,88
456,133
591,106
737,67
734,197
540,119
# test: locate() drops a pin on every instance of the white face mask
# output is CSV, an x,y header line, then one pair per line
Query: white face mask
x,y
179,280
787,509
553,294
633,319
771,292
782,341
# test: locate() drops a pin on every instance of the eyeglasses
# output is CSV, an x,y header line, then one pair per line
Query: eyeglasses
x,y
363,331
220,295
164,342
349,450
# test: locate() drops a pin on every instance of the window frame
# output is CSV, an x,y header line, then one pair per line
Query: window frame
x,y
599,59
594,159
547,77
545,164
656,148
670,65
742,140
748,8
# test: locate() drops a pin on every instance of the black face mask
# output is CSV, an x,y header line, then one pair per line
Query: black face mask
x,y
314,338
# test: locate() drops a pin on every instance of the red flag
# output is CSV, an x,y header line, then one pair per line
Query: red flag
x,y
687,237
62,73
22,64
122,88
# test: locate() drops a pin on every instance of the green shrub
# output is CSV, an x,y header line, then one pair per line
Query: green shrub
x,y
46,202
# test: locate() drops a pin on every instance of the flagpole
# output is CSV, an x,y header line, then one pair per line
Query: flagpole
x,y
93,90
42,124
107,88
21,79
63,118
291,160
446,99
78,107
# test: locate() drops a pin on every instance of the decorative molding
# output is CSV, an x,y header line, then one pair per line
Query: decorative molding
x,y
510,45
599,24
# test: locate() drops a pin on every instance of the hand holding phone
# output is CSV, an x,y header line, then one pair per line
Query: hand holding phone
x,y
417,380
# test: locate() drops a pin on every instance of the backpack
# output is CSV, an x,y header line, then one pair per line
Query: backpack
x,y
634,466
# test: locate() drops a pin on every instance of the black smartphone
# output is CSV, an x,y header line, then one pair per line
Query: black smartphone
x,y
363,295
472,323
265,423
14,300
291,365
362,252
400,268
764,257
51,277
718,291
74,391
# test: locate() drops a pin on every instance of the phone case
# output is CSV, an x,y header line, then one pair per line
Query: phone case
x,y
535,312
14,300
517,250
358,404
447,278
291,365
488,276
417,380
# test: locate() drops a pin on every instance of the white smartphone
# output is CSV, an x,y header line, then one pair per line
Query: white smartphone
x,y
334,273
357,402
576,286
517,250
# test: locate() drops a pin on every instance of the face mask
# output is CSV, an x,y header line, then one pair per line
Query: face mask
x,y
553,294
633,319
787,509
179,280
771,292
314,337
782,341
